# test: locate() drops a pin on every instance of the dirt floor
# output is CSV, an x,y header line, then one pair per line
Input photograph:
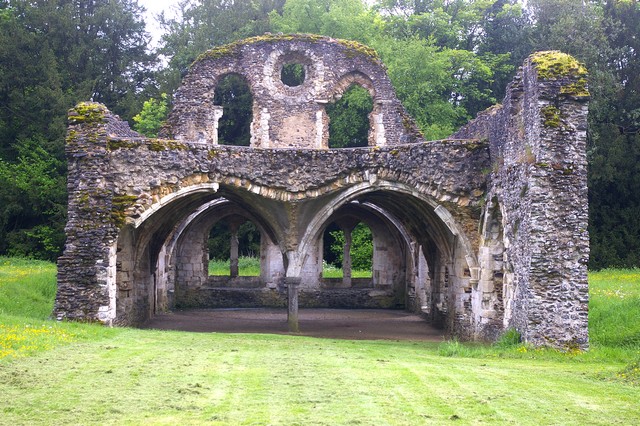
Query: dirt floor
x,y
369,324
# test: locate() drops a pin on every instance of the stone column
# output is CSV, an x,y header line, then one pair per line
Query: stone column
x,y
233,255
346,257
234,225
293,284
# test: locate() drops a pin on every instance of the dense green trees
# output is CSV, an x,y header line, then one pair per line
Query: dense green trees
x,y
448,60
53,54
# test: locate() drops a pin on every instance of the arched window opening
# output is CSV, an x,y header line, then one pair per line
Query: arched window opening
x,y
293,74
234,95
234,248
348,252
349,118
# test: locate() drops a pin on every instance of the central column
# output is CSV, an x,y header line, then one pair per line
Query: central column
x,y
293,284
346,257
234,225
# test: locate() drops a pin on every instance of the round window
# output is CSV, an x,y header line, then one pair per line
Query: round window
x,y
292,75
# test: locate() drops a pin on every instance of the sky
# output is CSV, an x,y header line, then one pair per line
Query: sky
x,y
153,8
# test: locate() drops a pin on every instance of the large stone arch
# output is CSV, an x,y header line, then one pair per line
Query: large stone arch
x,y
148,251
427,229
503,201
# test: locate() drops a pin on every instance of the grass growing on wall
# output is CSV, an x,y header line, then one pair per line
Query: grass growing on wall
x,y
87,374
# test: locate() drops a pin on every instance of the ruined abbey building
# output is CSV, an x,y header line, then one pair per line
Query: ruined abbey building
x,y
482,232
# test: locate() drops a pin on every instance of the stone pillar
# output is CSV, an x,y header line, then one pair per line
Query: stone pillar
x,y
293,283
216,115
346,257
233,255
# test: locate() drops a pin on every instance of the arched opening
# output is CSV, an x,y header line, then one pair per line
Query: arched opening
x,y
422,260
234,95
347,252
495,289
234,248
349,121
162,260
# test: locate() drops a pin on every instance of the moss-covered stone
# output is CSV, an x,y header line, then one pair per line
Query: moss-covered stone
x,y
115,144
552,65
87,112
352,48
577,89
232,48
118,206
551,116
71,136
165,145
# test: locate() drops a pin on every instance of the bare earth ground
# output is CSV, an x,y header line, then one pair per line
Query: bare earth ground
x,y
369,324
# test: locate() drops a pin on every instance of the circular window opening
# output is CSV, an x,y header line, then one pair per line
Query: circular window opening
x,y
292,75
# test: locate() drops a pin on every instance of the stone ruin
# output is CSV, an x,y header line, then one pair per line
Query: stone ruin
x,y
479,233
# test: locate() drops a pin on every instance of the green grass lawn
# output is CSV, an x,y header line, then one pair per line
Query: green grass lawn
x,y
247,267
88,374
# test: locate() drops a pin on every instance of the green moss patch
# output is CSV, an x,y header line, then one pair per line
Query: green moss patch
x,y
577,89
353,48
553,65
119,204
165,145
551,116
115,144
87,112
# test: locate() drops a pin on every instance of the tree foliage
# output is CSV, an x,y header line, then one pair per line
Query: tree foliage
x,y
361,249
219,242
234,95
53,54
202,25
152,117
349,118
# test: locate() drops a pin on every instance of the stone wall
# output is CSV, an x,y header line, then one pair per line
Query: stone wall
x,y
479,233
538,188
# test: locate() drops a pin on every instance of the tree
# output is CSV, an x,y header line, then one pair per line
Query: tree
x,y
234,95
219,242
152,117
33,213
202,25
603,34
349,118
53,54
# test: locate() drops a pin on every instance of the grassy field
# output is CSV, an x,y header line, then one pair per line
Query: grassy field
x,y
61,373
247,267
